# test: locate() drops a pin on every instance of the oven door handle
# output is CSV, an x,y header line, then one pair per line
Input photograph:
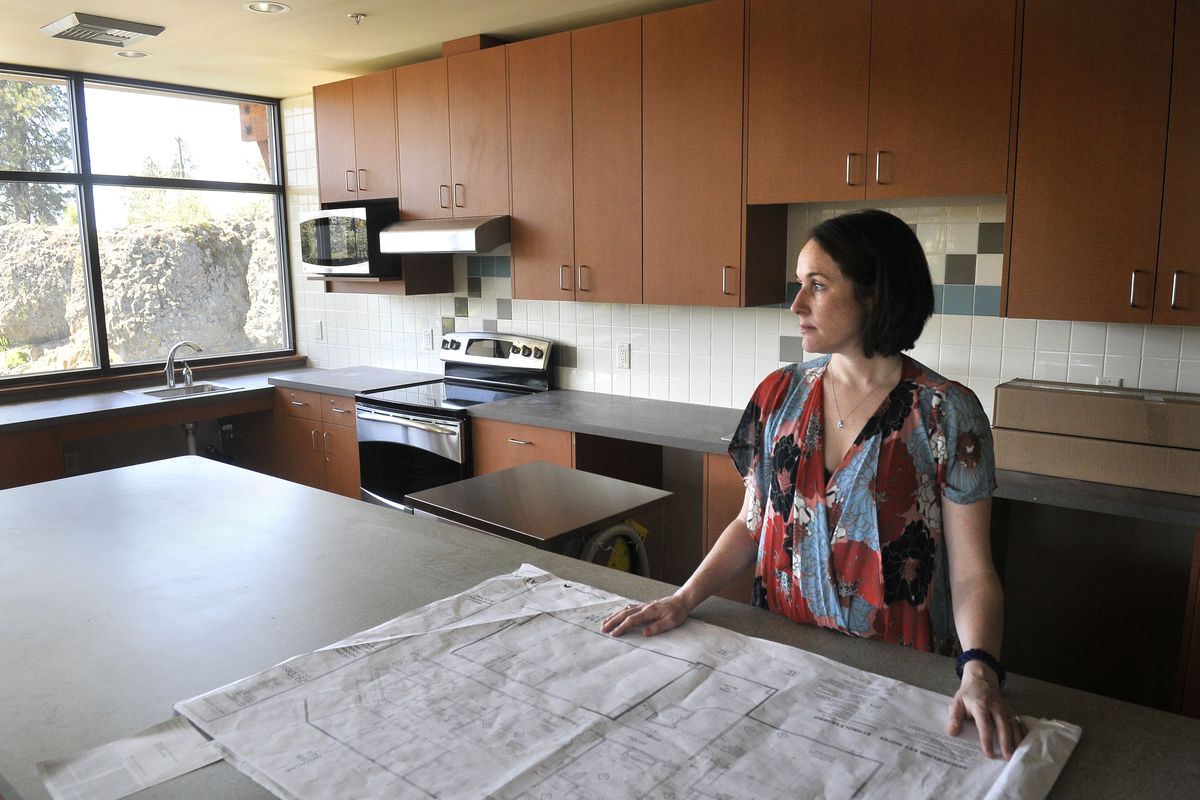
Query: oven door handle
x,y
428,427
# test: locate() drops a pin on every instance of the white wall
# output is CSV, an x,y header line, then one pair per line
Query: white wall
x,y
716,356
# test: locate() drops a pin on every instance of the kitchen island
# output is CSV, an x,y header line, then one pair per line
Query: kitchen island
x,y
126,591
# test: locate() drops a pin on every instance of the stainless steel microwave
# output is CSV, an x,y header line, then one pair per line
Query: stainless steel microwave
x,y
344,242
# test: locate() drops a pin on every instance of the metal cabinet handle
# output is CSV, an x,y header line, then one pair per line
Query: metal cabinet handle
x,y
565,269
725,279
582,283
444,195
850,169
518,441
1174,288
1132,288
879,154
350,181
458,195
298,403
325,436
362,180
314,438
337,410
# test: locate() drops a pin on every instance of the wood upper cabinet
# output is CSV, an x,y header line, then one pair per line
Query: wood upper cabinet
x,y
498,445
539,109
692,201
1177,298
452,127
356,139
575,123
423,132
1091,147
932,77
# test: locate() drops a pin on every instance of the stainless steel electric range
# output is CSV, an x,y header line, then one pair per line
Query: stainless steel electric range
x,y
418,437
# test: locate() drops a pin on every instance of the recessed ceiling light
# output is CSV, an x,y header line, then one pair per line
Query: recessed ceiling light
x,y
268,8
132,54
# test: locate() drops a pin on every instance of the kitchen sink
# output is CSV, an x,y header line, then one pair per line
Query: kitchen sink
x,y
170,392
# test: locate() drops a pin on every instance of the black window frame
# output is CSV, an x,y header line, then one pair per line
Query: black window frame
x,y
85,180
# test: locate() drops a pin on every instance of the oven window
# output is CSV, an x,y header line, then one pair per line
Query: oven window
x,y
391,470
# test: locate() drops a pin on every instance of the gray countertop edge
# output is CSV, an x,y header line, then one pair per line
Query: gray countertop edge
x,y
1122,501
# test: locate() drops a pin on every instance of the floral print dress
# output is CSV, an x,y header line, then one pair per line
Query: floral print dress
x,y
862,551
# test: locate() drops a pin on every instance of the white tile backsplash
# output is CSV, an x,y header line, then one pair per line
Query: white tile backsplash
x,y
716,356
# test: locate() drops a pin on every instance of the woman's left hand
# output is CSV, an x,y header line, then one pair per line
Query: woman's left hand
x,y
979,697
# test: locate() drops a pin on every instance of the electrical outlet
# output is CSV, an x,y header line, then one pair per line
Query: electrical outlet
x,y
624,355
427,339
1104,380
319,330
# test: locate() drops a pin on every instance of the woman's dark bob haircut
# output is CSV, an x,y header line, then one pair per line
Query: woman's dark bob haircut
x,y
881,255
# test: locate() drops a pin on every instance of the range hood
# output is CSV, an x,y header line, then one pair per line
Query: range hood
x,y
461,235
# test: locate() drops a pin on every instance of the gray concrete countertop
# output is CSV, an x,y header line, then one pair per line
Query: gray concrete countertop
x,y
92,649
660,422
349,381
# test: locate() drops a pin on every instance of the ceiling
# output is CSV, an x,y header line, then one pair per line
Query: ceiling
x,y
218,44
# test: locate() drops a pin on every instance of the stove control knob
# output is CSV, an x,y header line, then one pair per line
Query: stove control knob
x,y
538,352
526,350
445,344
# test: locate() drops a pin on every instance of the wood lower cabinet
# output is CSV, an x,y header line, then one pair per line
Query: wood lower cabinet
x,y
356,139
1177,293
318,442
1090,156
723,497
499,445
30,456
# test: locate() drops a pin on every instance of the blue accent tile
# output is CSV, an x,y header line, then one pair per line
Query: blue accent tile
x,y
474,287
958,300
489,266
474,266
503,266
987,301
937,298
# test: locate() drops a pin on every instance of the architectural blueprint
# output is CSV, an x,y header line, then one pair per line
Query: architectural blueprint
x,y
509,690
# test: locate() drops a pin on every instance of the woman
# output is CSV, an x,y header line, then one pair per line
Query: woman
x,y
868,478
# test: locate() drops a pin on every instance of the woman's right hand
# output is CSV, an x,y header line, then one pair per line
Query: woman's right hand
x,y
655,617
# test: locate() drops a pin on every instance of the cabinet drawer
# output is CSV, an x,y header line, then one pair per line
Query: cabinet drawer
x,y
337,409
500,445
299,403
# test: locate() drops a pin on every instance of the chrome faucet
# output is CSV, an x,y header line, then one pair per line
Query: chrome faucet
x,y
170,368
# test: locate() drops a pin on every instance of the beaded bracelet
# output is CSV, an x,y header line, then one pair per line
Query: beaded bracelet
x,y
980,655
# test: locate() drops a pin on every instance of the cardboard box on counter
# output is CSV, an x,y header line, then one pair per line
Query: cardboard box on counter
x,y
1126,437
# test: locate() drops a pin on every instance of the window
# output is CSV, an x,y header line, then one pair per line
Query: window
x,y
132,217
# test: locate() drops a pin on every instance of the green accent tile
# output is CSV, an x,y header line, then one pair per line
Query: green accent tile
x,y
503,266
991,237
960,269
938,293
474,266
447,325
791,348
503,308
958,300
987,301
474,287
460,306
489,325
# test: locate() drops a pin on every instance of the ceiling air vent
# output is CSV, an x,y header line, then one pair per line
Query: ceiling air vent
x,y
100,30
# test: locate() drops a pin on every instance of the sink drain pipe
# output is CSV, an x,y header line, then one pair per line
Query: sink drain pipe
x,y
189,428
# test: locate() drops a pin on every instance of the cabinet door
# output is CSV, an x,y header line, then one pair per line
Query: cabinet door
x,y
333,115
807,126
1091,137
941,96
539,118
377,173
606,104
1178,297
303,458
692,81
500,445
723,496
478,88
423,135
340,450
29,457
